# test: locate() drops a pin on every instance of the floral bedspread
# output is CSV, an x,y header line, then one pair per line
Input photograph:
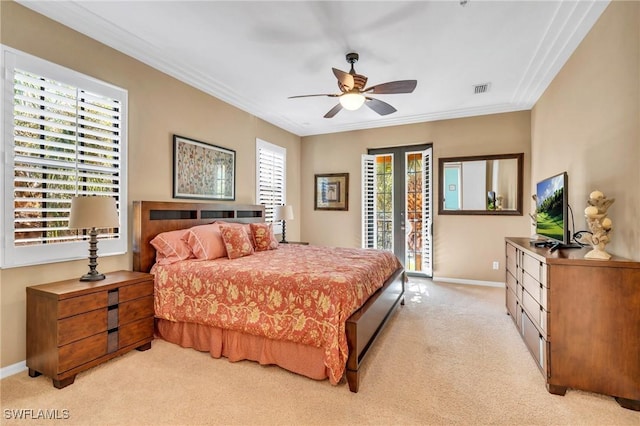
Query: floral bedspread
x,y
297,293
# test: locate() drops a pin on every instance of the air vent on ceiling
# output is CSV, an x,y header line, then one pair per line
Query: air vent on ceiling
x,y
481,88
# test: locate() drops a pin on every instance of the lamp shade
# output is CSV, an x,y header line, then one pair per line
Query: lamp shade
x,y
93,212
283,213
351,101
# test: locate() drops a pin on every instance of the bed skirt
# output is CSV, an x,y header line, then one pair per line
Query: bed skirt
x,y
237,346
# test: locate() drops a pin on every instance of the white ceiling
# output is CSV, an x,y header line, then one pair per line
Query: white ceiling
x,y
256,54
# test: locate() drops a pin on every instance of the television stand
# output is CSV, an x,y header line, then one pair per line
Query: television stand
x,y
578,318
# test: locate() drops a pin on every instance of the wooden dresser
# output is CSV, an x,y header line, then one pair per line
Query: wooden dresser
x,y
74,325
580,318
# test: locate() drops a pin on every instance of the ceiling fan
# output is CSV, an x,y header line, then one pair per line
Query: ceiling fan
x,y
353,93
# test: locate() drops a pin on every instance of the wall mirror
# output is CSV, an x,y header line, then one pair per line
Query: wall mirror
x,y
484,184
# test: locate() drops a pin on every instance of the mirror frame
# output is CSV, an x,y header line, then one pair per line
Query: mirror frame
x,y
517,212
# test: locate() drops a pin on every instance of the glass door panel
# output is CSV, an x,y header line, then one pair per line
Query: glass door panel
x,y
413,208
384,202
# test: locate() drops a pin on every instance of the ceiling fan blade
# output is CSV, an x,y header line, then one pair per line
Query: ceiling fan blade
x,y
380,107
333,111
401,86
331,95
344,78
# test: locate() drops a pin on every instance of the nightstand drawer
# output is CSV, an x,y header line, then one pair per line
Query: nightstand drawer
x,y
81,326
81,304
82,352
135,291
135,309
135,332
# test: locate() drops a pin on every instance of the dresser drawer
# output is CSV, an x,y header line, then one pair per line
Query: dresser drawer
x,y
81,352
135,310
511,259
81,304
535,289
512,304
81,326
135,332
511,282
535,268
534,341
135,291
535,311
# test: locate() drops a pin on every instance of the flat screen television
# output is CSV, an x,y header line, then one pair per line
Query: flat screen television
x,y
551,210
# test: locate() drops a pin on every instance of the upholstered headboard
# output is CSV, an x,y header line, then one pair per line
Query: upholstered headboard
x,y
153,217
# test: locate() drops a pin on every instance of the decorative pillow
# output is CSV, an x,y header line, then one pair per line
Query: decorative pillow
x,y
245,226
171,247
236,241
206,242
262,235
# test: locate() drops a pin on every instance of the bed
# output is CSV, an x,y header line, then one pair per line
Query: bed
x,y
354,320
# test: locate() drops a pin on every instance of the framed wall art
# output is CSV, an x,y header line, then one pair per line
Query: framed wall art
x,y
201,170
331,191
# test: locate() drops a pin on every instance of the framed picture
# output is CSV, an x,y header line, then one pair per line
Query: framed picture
x,y
331,192
203,171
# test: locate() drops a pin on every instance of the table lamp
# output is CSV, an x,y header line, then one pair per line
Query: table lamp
x,y
283,213
90,213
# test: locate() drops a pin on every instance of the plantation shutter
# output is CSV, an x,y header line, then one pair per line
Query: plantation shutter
x,y
65,140
368,201
427,219
271,190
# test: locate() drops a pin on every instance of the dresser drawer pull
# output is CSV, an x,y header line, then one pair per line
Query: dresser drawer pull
x,y
112,317
112,298
112,341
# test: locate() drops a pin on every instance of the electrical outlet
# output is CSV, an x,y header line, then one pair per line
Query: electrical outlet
x,y
496,264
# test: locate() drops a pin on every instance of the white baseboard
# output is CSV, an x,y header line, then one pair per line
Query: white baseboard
x,y
10,370
469,282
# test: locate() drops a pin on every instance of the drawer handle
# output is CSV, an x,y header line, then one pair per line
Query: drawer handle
x,y
112,341
112,297
112,317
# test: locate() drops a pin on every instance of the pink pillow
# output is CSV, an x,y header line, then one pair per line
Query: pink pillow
x,y
170,247
245,226
262,235
236,241
206,242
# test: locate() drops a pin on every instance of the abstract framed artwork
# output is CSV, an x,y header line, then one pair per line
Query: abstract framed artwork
x,y
331,191
201,170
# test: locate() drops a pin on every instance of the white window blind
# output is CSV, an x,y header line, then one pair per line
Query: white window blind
x,y
369,230
271,161
66,136
427,190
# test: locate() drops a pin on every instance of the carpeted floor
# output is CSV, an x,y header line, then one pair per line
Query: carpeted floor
x,y
449,356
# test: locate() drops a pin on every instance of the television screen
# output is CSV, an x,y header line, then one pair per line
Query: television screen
x,y
551,208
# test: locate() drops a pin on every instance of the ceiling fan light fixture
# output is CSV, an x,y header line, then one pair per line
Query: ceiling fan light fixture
x,y
351,101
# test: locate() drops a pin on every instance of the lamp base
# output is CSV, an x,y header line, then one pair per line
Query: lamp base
x,y
284,231
92,276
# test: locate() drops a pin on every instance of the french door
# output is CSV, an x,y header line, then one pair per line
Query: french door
x,y
396,204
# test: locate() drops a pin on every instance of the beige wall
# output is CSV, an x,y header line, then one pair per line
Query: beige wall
x,y
464,246
159,106
588,124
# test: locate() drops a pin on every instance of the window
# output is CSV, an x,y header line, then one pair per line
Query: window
x,y
271,187
64,135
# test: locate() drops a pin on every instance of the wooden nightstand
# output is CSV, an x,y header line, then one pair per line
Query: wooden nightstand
x,y
74,325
